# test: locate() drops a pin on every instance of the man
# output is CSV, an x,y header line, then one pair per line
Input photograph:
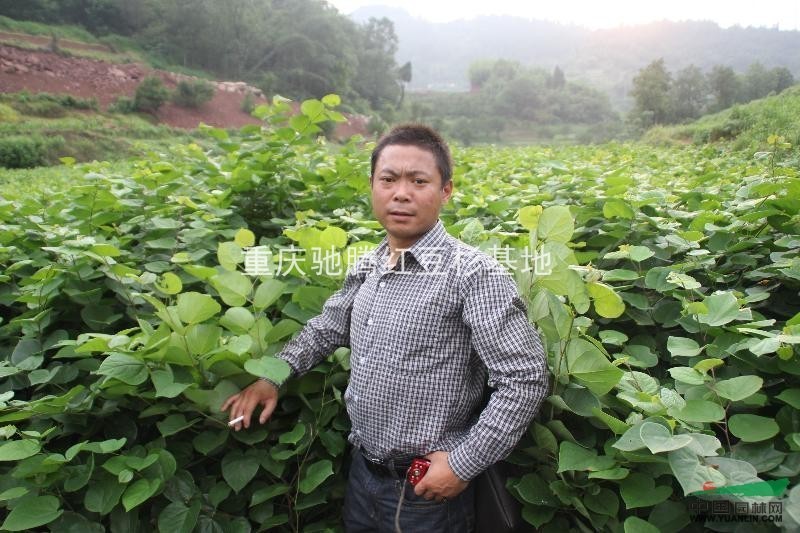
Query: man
x,y
428,320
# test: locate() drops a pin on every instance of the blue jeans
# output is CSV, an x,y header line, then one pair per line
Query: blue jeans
x,y
371,500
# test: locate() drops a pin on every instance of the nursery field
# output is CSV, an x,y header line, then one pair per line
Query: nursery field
x,y
130,309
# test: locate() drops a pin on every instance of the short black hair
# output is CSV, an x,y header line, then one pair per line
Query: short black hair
x,y
421,136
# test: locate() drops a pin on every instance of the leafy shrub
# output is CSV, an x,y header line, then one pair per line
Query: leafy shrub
x,y
193,93
248,103
150,95
27,152
123,105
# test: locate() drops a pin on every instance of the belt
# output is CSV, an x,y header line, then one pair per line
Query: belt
x,y
388,469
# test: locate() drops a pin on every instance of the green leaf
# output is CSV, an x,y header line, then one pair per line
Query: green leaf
x,y
202,338
739,388
683,347
169,283
614,424
331,100
16,450
659,439
556,224
233,287
699,411
616,208
640,253
32,512
293,436
282,329
312,109
272,368
229,254
722,308
534,490
267,493
613,337
208,441
640,490
707,364
102,495
607,303
688,375
164,383
635,524
690,473
194,307
790,396
125,368
314,475
268,293
574,457
753,428
175,424
238,320
139,492
245,238
239,469
13,493
332,237
105,446
590,367
529,216
178,518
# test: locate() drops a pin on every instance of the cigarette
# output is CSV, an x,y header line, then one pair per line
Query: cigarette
x,y
236,420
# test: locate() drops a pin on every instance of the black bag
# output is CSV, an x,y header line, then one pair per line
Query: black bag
x,y
496,510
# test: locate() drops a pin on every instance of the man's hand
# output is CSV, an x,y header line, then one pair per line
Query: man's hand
x,y
439,481
242,404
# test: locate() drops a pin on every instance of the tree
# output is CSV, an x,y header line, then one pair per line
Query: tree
x,y
758,82
404,76
783,78
479,74
557,80
376,80
689,94
724,86
651,88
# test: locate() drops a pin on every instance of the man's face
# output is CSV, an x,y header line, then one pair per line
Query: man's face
x,y
407,193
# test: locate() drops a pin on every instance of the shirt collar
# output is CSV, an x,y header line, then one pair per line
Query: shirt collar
x,y
428,249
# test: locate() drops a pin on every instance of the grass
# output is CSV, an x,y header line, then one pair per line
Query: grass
x,y
87,135
75,33
120,49
746,126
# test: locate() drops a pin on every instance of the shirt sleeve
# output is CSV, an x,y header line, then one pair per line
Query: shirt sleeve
x,y
510,348
325,332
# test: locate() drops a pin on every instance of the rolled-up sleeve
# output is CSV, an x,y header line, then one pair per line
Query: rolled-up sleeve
x,y
325,332
513,354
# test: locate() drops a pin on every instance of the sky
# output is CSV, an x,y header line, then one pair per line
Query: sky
x,y
785,14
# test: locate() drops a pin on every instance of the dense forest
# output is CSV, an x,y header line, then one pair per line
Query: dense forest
x,y
301,48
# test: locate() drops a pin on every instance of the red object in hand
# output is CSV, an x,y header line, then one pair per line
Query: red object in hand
x,y
417,470
709,485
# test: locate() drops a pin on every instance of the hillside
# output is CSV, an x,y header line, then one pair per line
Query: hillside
x,y
607,59
60,104
748,126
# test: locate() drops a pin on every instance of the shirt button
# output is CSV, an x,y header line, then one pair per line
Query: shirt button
x,y
382,284
369,322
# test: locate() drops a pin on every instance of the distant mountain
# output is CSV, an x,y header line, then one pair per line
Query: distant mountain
x,y
440,53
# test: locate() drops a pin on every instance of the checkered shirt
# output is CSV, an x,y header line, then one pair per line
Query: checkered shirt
x,y
425,336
